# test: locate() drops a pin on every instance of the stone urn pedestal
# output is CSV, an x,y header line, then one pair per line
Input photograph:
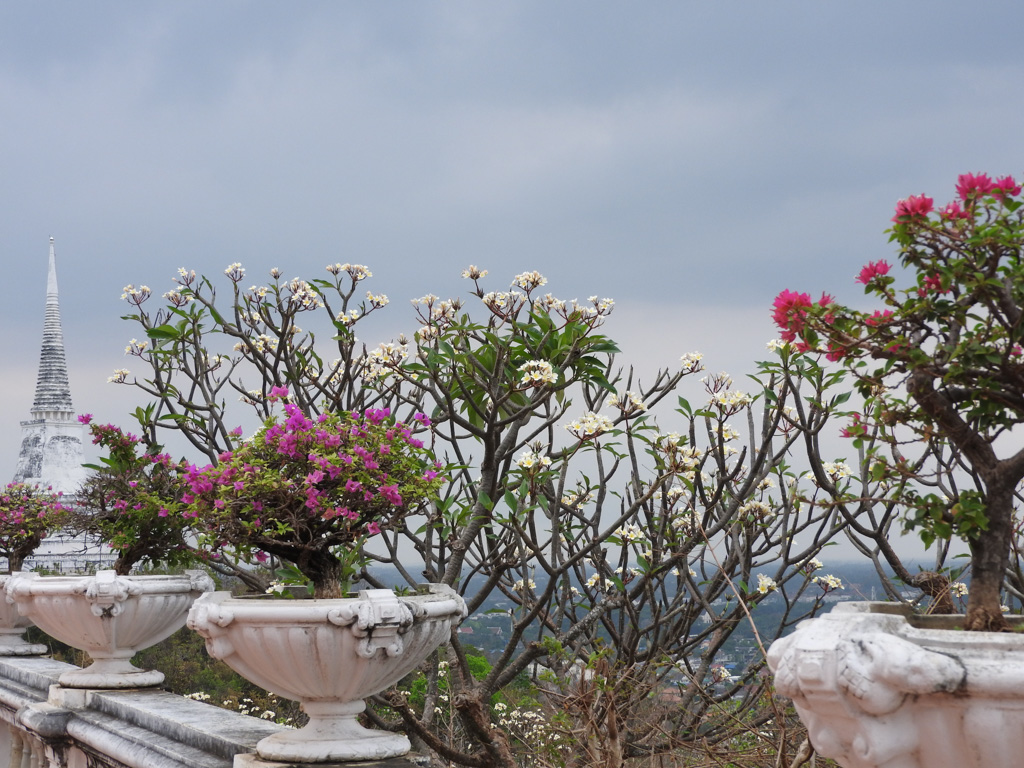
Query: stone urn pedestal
x,y
13,626
110,617
880,687
329,655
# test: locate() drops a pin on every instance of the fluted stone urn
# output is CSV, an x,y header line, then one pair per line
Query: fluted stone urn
x,y
13,626
110,617
329,655
880,687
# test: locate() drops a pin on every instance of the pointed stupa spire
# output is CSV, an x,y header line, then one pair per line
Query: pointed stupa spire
x,y
51,447
53,392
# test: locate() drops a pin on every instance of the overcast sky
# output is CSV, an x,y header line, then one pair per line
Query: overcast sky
x,y
689,160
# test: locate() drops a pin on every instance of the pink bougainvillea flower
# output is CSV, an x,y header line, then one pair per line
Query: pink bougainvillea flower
x,y
913,207
1007,187
855,429
372,528
880,317
85,418
931,284
970,185
790,312
278,392
953,211
872,270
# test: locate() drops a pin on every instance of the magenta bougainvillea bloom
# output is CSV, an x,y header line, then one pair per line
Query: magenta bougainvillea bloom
x,y
1006,186
303,489
970,185
872,270
915,206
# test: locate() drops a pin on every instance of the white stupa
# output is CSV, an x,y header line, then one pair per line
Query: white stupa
x,y
51,443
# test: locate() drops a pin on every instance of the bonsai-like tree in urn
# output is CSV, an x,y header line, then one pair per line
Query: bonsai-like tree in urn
x,y
311,491
27,515
942,358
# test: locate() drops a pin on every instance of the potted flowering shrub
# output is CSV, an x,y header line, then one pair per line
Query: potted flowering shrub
x,y
27,516
311,491
940,363
130,502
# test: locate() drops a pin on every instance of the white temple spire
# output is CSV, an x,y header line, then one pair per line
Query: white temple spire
x,y
51,448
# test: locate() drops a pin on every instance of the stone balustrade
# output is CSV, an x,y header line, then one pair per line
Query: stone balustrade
x,y
43,725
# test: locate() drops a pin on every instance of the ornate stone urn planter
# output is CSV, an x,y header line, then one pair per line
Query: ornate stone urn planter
x,y
329,655
879,687
13,626
110,617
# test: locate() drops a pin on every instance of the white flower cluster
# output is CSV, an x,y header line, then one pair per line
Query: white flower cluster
x,y
537,373
765,584
348,318
119,377
530,460
548,303
521,586
691,362
383,359
473,273
631,532
134,295
814,564
529,280
302,295
597,582
235,272
577,499
678,456
686,523
261,343
503,303
630,403
377,300
837,470
589,425
177,298
776,345
136,347
730,400
355,271
756,509
958,589
828,582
